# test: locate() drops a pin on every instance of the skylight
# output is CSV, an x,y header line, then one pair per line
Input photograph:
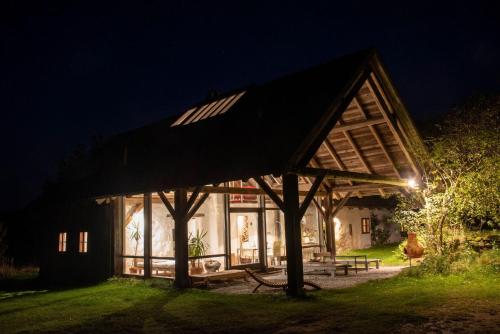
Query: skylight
x,y
208,110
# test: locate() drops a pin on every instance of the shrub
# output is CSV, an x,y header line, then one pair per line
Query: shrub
x,y
463,261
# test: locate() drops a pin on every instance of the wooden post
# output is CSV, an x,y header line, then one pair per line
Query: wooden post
x,y
148,221
261,230
118,235
293,235
331,223
181,240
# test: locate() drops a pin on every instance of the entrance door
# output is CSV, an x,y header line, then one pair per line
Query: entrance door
x,y
247,238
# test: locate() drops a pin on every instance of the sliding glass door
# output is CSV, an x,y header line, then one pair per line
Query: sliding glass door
x,y
246,231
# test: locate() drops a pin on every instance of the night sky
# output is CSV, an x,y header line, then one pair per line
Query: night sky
x,y
71,70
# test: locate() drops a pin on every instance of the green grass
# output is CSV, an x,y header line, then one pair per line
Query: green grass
x,y
385,253
137,306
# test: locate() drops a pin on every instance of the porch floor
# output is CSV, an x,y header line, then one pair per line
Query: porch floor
x,y
340,281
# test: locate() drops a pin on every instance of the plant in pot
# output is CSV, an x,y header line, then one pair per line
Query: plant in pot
x,y
135,235
197,247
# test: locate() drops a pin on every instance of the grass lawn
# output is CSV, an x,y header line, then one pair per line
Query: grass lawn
x,y
399,304
385,253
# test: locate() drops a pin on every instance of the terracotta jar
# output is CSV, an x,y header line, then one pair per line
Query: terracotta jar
x,y
413,248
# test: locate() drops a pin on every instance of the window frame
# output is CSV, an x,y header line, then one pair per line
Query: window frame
x,y
62,242
365,225
83,241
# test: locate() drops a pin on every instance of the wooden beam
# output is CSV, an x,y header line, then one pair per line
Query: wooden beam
x,y
131,211
310,196
148,227
181,280
340,205
378,139
196,206
245,191
357,152
270,192
293,235
193,197
331,150
320,209
392,126
316,164
165,201
353,176
358,125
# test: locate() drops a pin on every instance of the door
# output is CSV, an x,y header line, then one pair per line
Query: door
x,y
246,238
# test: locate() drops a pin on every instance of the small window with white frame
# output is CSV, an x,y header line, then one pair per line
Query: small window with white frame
x,y
83,242
62,242
365,225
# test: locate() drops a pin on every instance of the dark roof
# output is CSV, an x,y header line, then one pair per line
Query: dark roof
x,y
266,131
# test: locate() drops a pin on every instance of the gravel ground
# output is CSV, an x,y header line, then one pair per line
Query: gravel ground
x,y
326,282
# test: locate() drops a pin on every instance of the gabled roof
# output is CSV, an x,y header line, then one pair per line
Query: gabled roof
x,y
262,130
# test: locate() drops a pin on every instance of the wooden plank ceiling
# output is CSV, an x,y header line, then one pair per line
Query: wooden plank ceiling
x,y
366,139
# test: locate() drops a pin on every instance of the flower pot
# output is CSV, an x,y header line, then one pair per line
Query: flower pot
x,y
212,266
413,248
195,268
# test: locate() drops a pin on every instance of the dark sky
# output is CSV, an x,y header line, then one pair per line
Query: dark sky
x,y
71,70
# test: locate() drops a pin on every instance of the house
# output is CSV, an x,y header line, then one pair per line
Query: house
x,y
246,179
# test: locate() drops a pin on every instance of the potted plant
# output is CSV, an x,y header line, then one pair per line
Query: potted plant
x,y
197,247
135,235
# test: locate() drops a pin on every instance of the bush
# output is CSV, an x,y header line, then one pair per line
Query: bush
x,y
463,261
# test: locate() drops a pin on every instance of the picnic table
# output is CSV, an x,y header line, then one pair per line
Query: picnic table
x,y
350,260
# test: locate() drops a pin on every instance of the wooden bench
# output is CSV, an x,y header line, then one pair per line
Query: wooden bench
x,y
342,266
277,284
353,259
204,279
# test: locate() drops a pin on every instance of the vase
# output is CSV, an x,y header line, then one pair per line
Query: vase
x,y
212,266
413,248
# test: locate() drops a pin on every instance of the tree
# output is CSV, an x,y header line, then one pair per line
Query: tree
x,y
461,180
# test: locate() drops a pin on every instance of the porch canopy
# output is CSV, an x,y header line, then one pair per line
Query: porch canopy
x,y
334,131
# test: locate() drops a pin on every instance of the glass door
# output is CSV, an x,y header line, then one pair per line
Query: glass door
x,y
245,241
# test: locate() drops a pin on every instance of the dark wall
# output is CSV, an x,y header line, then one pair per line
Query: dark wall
x,y
72,266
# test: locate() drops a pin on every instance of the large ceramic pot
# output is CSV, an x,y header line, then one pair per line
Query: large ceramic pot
x,y
413,248
212,266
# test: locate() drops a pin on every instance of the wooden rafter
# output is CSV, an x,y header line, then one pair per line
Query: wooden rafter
x,y
331,150
377,137
357,152
359,124
358,177
393,127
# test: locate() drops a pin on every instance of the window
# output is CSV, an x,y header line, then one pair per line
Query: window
x,y
83,242
62,242
365,225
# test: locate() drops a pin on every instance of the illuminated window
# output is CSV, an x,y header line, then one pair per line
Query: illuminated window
x,y
62,242
365,225
83,242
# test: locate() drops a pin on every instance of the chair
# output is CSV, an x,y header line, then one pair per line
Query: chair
x,y
277,284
